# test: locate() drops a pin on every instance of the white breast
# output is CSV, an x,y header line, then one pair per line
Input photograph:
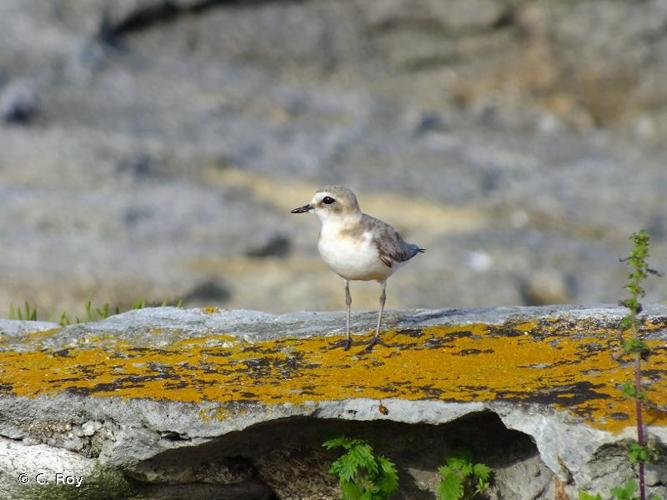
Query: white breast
x,y
352,258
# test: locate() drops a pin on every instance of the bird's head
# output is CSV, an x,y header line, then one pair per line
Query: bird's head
x,y
332,202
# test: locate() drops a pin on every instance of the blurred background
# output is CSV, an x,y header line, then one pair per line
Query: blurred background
x,y
153,148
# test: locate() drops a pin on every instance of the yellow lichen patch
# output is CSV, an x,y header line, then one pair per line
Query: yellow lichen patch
x,y
557,364
36,336
210,310
525,327
210,340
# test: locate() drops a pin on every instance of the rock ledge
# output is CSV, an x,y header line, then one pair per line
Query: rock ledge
x,y
208,403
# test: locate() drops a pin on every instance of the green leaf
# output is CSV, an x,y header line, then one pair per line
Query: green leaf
x,y
350,490
587,496
631,303
332,443
482,471
361,474
636,346
139,304
626,322
89,311
387,481
483,474
104,312
32,316
642,454
628,388
626,491
361,456
461,464
27,313
341,442
64,319
344,469
461,477
450,487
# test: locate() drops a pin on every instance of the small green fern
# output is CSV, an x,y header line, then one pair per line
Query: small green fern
x,y
461,478
362,475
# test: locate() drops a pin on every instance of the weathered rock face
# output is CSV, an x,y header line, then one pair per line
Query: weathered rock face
x,y
150,147
204,403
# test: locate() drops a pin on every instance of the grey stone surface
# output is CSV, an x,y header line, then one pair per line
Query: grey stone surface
x,y
16,328
19,102
178,324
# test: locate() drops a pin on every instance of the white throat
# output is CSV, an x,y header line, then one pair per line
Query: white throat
x,y
341,220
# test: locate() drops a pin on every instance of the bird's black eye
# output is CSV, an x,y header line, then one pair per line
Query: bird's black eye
x,y
328,200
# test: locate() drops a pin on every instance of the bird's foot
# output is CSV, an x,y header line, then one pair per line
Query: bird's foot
x,y
373,342
345,344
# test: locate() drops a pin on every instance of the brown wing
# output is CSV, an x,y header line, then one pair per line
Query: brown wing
x,y
391,246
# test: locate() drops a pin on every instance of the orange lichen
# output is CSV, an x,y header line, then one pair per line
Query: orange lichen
x,y
210,310
563,366
34,336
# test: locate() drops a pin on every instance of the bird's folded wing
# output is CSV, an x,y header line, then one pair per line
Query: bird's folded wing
x,y
391,246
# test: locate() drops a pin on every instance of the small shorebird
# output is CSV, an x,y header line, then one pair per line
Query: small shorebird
x,y
357,246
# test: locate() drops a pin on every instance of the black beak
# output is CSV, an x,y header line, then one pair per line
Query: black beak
x,y
303,209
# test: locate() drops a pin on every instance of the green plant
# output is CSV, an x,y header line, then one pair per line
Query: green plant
x,y
587,496
639,452
635,346
178,303
26,313
64,319
362,475
97,313
626,491
29,313
139,304
461,478
92,314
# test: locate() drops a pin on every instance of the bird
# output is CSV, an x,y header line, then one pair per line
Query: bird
x,y
357,246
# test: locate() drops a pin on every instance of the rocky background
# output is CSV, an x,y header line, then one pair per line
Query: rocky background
x,y
153,148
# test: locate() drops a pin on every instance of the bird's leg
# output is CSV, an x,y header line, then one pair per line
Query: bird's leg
x,y
383,298
348,303
376,337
